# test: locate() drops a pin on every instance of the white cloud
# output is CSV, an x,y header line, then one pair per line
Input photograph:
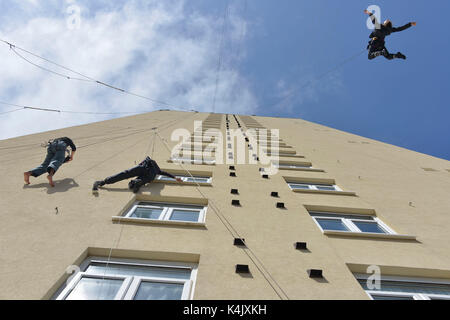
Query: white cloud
x,y
153,48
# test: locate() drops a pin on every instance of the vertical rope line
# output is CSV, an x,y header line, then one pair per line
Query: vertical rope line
x,y
230,226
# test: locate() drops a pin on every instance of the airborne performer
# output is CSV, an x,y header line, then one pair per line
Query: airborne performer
x,y
376,45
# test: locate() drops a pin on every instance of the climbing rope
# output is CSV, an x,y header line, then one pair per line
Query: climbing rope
x,y
235,234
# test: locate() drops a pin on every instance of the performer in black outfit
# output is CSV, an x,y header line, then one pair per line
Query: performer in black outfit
x,y
376,45
145,172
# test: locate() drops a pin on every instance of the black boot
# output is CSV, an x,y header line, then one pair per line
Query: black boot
x,y
131,184
98,184
136,185
400,56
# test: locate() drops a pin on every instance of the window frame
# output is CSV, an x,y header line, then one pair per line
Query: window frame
x,y
293,166
348,222
282,154
134,286
415,296
184,178
313,186
77,278
131,283
167,211
191,160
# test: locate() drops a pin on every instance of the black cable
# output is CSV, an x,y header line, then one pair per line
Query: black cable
x,y
234,233
47,70
320,77
11,111
164,126
23,107
87,78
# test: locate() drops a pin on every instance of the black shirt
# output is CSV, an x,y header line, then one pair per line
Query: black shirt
x,y
384,31
154,169
67,141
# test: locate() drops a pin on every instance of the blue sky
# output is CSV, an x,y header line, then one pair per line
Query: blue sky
x,y
270,50
404,103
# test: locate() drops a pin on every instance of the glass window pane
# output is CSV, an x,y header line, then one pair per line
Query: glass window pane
x,y
293,166
197,179
371,227
95,289
339,215
159,291
326,187
99,268
411,287
147,213
185,215
299,186
381,297
164,178
331,224
161,205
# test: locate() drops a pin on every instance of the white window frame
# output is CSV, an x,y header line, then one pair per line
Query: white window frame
x,y
184,178
193,161
415,296
294,166
281,154
348,223
167,211
132,291
73,283
313,186
131,283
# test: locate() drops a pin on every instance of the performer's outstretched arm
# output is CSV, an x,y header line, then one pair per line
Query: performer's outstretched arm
x,y
406,26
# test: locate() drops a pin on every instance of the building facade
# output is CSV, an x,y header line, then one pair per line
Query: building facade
x,y
269,208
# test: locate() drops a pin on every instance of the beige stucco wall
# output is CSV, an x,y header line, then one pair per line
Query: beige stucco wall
x,y
37,245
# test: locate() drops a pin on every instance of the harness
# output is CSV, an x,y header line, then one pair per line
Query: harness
x,y
51,141
376,43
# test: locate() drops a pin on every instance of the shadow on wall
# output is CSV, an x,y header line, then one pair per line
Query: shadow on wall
x,y
60,186
152,188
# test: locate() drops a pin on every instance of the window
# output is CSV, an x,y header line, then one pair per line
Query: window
x,y
315,186
194,161
194,179
167,212
281,153
400,288
294,166
100,279
350,223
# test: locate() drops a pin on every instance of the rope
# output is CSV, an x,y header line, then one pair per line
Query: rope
x,y
13,47
45,69
320,77
234,233
153,146
11,111
80,147
165,125
161,128
22,107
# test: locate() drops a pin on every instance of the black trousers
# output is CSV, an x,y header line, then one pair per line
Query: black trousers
x,y
380,51
140,172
